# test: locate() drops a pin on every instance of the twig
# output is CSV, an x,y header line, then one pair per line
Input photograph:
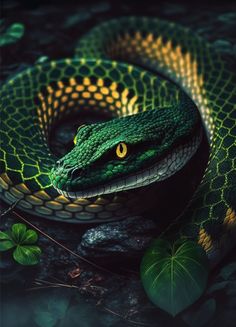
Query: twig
x,y
44,284
126,319
8,210
42,287
64,247
60,283
41,284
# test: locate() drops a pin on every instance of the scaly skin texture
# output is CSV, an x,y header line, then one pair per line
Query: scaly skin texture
x,y
33,100
192,63
148,135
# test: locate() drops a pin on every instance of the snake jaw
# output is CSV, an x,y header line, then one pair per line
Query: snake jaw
x,y
160,143
169,165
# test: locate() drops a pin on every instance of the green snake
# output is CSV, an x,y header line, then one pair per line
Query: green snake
x,y
152,131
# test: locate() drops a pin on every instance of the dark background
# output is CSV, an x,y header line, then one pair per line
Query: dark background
x,y
51,31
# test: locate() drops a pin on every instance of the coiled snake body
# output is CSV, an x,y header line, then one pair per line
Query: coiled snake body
x,y
97,180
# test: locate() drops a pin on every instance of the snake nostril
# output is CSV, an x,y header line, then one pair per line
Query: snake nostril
x,y
76,172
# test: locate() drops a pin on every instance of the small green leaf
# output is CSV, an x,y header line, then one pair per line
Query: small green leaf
x,y
27,255
5,236
6,242
16,30
6,245
12,34
174,276
18,232
30,237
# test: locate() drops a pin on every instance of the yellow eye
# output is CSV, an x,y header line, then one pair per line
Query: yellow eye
x,y
121,150
75,140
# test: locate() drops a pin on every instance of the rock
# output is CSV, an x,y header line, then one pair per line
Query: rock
x,y
127,238
61,142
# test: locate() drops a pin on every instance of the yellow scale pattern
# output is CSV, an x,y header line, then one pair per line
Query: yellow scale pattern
x,y
205,240
60,100
67,99
62,207
154,49
185,68
53,105
99,208
230,218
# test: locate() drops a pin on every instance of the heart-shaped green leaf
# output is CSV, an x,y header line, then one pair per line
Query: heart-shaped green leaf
x,y
27,255
18,232
6,242
174,276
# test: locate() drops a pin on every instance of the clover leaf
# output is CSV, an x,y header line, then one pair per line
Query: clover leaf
x,y
23,242
5,241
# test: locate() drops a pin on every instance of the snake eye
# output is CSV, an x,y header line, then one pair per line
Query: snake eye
x,y
75,140
121,150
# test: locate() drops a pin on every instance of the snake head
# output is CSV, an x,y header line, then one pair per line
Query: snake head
x,y
128,152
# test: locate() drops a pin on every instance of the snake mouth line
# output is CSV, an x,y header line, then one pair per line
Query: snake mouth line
x,y
165,168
